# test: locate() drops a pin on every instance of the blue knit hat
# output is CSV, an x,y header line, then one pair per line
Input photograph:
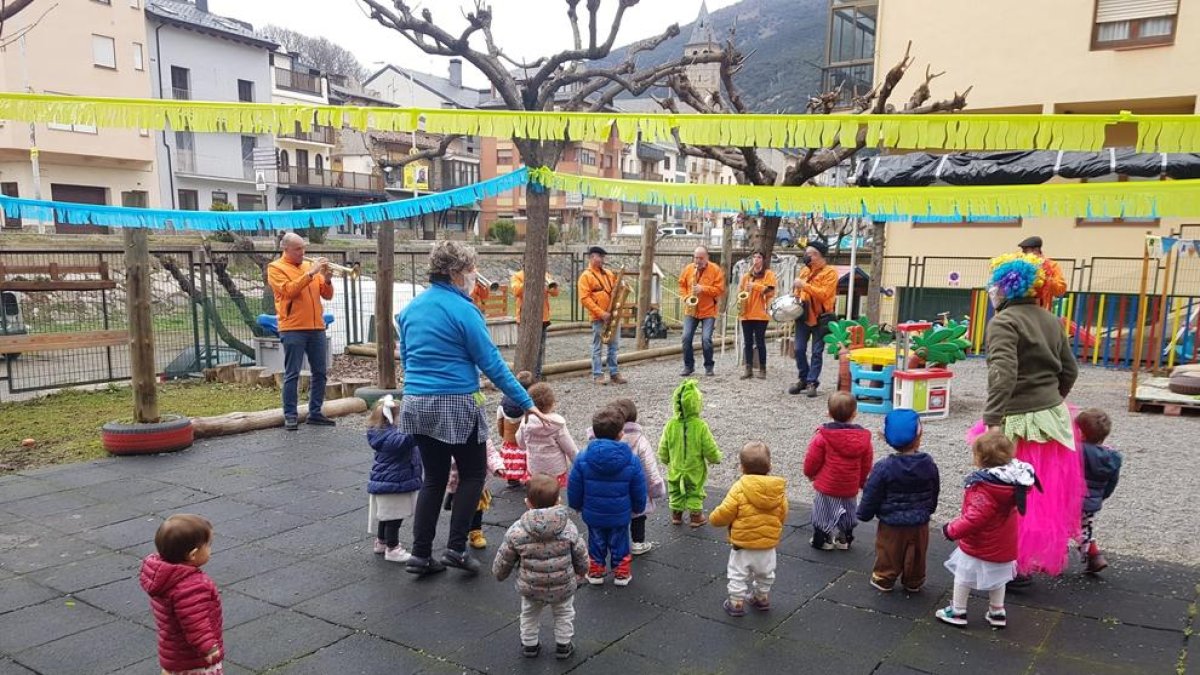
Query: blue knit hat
x,y
901,427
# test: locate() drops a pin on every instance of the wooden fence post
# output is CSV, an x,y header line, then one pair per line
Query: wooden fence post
x,y
645,282
385,339
141,328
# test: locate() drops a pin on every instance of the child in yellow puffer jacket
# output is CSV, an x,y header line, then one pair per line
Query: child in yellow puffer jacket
x,y
754,511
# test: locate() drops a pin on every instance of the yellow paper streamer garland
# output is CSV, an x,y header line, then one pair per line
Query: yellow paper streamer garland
x,y
957,131
1137,199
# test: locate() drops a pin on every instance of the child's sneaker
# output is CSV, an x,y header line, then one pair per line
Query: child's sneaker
x,y
998,618
842,542
760,602
820,541
564,651
915,589
380,547
735,608
397,554
677,517
596,573
640,547
531,651
476,539
623,574
951,616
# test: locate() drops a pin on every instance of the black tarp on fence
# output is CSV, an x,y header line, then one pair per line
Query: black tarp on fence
x,y
1021,168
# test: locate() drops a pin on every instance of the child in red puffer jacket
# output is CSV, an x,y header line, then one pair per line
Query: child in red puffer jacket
x,y
986,532
185,601
838,462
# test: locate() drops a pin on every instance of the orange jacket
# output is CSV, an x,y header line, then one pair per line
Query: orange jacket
x,y
761,289
819,292
1055,285
596,291
517,286
712,286
297,295
479,293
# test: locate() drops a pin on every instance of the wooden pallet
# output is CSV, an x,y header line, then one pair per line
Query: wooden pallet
x,y
1167,408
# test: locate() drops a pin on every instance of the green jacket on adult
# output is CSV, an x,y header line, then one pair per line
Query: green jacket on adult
x,y
687,446
1030,363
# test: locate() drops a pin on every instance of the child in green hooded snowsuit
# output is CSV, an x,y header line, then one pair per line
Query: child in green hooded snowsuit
x,y
687,448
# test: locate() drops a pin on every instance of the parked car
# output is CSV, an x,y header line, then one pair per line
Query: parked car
x,y
629,231
674,231
785,237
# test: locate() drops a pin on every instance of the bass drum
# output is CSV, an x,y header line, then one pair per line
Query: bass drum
x,y
786,308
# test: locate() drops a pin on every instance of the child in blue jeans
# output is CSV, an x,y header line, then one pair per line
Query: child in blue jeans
x,y
607,486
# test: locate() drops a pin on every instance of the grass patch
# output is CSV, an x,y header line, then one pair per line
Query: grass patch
x,y
66,425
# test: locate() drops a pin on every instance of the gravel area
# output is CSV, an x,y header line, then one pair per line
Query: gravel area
x,y
1150,515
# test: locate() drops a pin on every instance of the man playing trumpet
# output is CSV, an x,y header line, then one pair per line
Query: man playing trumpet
x,y
704,282
299,286
517,285
755,291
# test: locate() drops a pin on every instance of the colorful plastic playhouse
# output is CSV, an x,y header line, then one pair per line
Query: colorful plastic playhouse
x,y
924,390
871,378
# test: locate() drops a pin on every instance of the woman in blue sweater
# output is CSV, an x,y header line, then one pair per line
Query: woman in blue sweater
x,y
444,343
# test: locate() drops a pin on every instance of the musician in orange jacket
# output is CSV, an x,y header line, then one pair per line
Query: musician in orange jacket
x,y
816,285
1055,285
299,286
516,284
596,288
760,283
706,281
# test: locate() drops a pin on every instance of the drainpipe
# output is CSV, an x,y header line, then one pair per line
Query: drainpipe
x,y
170,168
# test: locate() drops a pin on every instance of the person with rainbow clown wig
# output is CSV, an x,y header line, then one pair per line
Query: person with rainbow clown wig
x,y
1031,370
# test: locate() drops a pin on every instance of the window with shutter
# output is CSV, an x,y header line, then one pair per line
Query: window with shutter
x,y
1122,24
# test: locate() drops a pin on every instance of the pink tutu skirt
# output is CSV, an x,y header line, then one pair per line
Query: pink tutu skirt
x,y
1052,516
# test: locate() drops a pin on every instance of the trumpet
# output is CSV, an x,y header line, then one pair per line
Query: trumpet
x,y
741,301
550,282
338,270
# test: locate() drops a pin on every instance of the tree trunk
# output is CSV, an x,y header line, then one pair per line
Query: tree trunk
x,y
537,229
873,288
141,329
645,281
764,239
385,337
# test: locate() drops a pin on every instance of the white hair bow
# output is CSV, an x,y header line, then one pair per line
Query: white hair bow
x,y
389,403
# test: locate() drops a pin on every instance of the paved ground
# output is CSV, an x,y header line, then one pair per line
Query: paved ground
x,y
303,594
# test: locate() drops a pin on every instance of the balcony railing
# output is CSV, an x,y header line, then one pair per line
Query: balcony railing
x,y
328,178
319,134
181,94
297,81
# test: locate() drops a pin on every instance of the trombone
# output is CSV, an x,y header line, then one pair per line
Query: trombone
x,y
338,270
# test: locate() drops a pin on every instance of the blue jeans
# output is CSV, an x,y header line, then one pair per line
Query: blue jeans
x,y
706,342
297,344
809,369
597,370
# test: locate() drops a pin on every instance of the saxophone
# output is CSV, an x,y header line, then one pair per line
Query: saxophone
x,y
616,304
741,302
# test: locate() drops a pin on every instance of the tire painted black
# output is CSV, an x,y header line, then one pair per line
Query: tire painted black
x,y
170,435
1187,384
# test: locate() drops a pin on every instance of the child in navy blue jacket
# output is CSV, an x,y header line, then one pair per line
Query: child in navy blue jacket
x,y
1101,471
395,480
607,486
902,491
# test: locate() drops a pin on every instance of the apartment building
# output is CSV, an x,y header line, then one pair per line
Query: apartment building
x,y
77,48
194,54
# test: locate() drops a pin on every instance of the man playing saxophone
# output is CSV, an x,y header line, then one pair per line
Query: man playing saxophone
x,y
706,283
597,287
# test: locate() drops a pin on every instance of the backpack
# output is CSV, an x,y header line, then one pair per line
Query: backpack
x,y
653,326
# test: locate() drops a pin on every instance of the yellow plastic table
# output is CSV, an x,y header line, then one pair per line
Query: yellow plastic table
x,y
874,356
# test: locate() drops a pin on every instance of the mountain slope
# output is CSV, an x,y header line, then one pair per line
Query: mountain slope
x,y
786,43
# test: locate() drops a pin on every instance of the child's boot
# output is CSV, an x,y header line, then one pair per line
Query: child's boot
x,y
677,517
698,519
476,539
1095,559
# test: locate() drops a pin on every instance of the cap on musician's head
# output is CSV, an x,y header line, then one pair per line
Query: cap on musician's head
x,y
596,250
1030,242
821,247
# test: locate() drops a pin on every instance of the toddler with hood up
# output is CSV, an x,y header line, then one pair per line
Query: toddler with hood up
x,y
687,448
548,447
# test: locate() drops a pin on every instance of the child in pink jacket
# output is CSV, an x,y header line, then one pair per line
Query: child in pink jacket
x,y
549,449
495,466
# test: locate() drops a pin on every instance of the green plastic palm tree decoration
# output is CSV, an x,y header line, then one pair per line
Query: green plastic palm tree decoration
x,y
942,345
841,333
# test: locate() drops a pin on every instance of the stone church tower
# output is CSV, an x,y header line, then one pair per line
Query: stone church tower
x,y
706,77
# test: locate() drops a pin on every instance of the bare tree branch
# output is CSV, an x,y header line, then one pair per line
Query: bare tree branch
x,y
592,53
12,8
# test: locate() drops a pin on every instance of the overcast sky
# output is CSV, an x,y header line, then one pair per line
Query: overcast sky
x,y
523,28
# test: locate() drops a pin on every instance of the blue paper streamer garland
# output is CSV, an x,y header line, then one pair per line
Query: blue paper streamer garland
x,y
161,219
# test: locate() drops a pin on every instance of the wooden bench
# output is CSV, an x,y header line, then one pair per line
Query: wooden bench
x,y
49,342
56,282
